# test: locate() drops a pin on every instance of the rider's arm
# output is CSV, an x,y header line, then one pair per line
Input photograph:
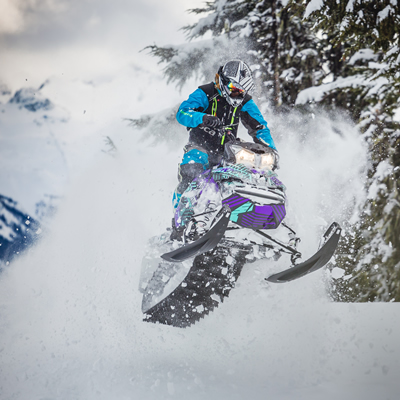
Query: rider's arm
x,y
256,125
187,115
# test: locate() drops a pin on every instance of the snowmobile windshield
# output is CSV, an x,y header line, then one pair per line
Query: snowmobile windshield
x,y
265,161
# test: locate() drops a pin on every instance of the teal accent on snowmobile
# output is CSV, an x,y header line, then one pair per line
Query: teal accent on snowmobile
x,y
237,171
185,212
240,210
176,198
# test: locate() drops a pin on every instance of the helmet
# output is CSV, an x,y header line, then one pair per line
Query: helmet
x,y
234,81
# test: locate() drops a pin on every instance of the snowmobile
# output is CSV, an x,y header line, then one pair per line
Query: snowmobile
x,y
231,215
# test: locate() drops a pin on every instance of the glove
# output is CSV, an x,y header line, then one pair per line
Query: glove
x,y
211,121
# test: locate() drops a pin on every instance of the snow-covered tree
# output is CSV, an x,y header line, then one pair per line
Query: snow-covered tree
x,y
284,49
277,44
355,45
202,58
368,86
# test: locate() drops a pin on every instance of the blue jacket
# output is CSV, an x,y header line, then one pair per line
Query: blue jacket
x,y
207,99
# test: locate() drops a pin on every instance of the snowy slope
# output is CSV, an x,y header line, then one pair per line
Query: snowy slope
x,y
71,328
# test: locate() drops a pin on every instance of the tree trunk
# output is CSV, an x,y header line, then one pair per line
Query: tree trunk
x,y
277,100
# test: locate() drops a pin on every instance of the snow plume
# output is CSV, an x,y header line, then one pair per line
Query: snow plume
x,y
70,321
323,163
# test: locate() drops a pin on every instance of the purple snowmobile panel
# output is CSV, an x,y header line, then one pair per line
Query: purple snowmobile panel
x,y
249,215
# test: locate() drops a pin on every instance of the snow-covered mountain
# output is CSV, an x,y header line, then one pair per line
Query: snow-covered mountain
x,y
28,99
18,230
30,169
49,134
33,156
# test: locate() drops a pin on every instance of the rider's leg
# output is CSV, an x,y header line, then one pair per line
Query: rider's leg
x,y
194,162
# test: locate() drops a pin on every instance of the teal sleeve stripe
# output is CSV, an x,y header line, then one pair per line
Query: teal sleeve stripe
x,y
262,134
186,114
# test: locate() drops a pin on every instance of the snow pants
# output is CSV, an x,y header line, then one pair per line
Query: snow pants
x,y
196,159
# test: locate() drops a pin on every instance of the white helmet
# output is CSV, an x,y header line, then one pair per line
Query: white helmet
x,y
235,80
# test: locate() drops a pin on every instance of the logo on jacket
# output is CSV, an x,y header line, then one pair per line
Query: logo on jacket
x,y
207,129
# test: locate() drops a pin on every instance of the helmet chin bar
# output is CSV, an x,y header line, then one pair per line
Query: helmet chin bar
x,y
233,101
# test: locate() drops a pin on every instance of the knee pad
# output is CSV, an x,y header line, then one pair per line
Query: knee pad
x,y
195,155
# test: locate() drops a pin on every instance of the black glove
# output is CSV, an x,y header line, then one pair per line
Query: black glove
x,y
211,121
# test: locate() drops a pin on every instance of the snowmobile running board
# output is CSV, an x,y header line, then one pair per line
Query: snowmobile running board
x,y
203,244
317,261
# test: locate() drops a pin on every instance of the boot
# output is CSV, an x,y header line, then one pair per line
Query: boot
x,y
176,232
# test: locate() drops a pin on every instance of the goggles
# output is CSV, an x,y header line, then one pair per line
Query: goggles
x,y
235,89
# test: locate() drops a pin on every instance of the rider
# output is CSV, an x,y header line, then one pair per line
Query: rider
x,y
216,105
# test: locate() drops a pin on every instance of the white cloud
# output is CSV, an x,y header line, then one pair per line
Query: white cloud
x,y
11,17
18,15
84,39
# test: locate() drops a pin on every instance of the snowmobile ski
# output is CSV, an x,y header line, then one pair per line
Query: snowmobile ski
x,y
203,244
317,261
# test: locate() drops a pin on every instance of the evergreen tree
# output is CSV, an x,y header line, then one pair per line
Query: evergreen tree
x,y
278,45
286,50
203,58
368,85
357,43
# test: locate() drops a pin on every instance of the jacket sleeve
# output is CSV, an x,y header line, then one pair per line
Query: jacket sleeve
x,y
256,125
187,114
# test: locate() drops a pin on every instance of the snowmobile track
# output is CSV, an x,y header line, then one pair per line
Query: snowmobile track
x,y
208,282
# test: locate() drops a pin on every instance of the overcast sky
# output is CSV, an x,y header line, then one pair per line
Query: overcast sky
x,y
84,38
